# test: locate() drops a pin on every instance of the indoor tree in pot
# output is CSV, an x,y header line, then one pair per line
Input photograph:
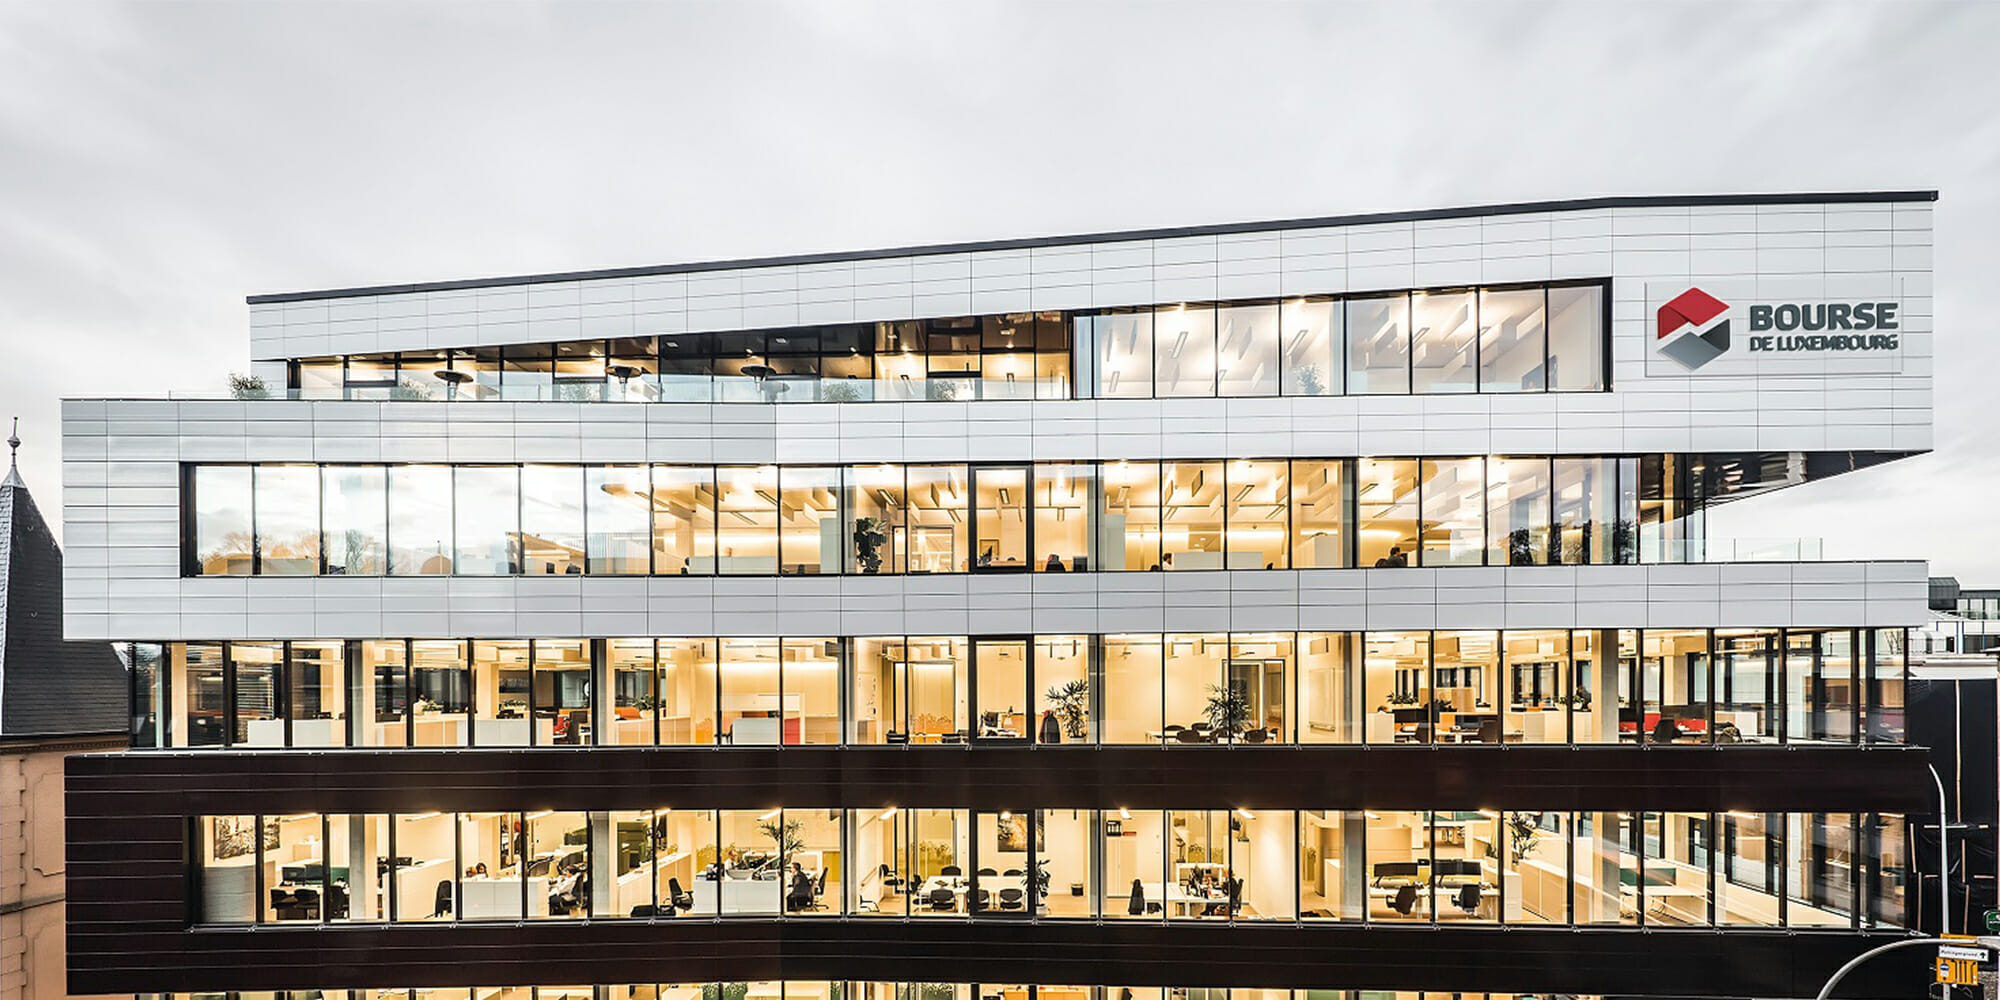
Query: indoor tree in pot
x,y
1228,712
1069,701
869,537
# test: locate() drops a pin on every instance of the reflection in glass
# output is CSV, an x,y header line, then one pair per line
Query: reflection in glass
x,y
1184,351
1246,339
1386,499
420,513
223,535
1378,345
287,520
1517,511
354,508
1513,336
1310,329
1576,338
488,519
1442,343
552,529
1454,531
617,508
683,502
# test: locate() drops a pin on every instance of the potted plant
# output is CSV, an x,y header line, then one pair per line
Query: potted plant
x,y
243,386
1041,886
869,537
1228,712
840,392
786,837
1069,701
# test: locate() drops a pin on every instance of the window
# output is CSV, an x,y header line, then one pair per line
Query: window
x,y
253,669
420,520
1465,671
1123,352
1538,693
1246,341
1517,511
1319,515
1386,498
631,665
488,522
316,698
1590,528
1453,528
747,519
441,693
287,507
224,538
1000,518
1378,345
1576,338
354,507
1191,495
503,715
1442,352
562,691
228,872
750,695
1333,877
381,687
1748,678
812,691
877,527
1133,666
1397,671
1064,702
1329,694
688,680
1184,351
552,526
1128,521
1258,502
1311,331
809,521
683,503
1063,504
937,542
1513,339
617,509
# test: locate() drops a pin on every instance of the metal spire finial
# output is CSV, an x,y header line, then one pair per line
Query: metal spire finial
x,y
13,455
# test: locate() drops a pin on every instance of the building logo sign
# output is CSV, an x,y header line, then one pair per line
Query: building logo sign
x,y
1694,328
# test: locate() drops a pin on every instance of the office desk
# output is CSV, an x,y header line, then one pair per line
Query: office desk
x,y
735,895
416,887
500,898
1176,899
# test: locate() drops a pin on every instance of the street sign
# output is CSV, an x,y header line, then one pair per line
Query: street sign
x,y
1957,971
1993,921
1970,954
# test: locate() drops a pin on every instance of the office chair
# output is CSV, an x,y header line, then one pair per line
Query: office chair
x,y
1256,736
1405,901
819,892
978,900
336,902
305,903
1137,907
643,910
1468,898
1011,873
988,871
442,908
1012,899
951,870
1489,731
1190,736
942,899
678,898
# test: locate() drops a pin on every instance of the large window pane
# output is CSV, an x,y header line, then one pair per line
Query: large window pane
x,y
420,533
1517,511
1199,708
1442,343
1386,498
1888,670
1748,674
878,862
1378,345
747,519
1677,864
316,701
224,539
1246,340
1398,687
687,692
1191,515
1576,338
1319,515
489,521
1465,670
1312,342
1259,674
749,678
936,682
1465,866
1000,518
1063,699
489,847
1184,351
1135,865
254,669
937,541
381,694
355,514
357,849
501,683
1334,883
1399,866
1132,688
1587,526
1513,334
1676,686
1607,861
942,861
552,528
683,520
812,691
876,525
1329,688
1065,862
875,695
562,692
809,520
1538,691
1198,865
1454,497
1129,523
287,520
1000,695
1062,517
1535,867
558,864
1819,870
441,691
617,509
635,693
1259,499
420,867
1748,869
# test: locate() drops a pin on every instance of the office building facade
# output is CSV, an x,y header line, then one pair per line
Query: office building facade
x,y
1323,605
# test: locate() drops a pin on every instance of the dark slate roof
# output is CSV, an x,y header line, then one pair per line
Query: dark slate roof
x,y
48,687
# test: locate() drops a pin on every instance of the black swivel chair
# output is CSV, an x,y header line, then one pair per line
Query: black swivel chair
x,y
643,910
1190,736
1406,900
1256,736
988,871
1012,899
306,902
282,905
442,907
951,870
1468,898
1489,731
336,902
678,898
942,900
978,900
1013,873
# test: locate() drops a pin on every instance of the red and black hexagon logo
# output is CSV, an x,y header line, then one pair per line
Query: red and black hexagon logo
x,y
1693,329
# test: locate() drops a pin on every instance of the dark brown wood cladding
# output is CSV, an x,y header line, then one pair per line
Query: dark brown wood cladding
x,y
128,866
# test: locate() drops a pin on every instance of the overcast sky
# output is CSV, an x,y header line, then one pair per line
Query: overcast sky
x,y
159,161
